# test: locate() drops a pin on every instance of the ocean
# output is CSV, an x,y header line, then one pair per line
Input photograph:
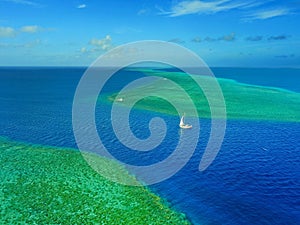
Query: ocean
x,y
253,180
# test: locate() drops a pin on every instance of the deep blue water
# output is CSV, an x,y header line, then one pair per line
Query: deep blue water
x,y
253,180
285,78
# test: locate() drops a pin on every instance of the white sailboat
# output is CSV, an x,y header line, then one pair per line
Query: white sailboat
x,y
183,125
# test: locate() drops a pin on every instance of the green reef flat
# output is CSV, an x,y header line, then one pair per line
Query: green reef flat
x,y
248,102
49,185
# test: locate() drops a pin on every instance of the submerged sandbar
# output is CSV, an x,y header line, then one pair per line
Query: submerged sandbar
x,y
242,101
49,185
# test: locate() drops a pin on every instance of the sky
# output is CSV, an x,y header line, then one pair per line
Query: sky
x,y
239,33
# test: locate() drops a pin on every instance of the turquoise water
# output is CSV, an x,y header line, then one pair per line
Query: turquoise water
x,y
254,179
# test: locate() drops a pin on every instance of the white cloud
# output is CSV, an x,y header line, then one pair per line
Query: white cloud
x,y
7,32
104,43
83,50
23,2
262,15
142,12
30,29
12,32
228,37
30,44
197,39
82,6
201,7
210,39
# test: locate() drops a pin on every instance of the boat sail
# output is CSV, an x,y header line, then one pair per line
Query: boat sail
x,y
183,125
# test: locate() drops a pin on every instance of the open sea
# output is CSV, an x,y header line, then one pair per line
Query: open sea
x,y
255,179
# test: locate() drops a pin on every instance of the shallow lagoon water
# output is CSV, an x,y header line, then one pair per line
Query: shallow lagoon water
x,y
254,179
